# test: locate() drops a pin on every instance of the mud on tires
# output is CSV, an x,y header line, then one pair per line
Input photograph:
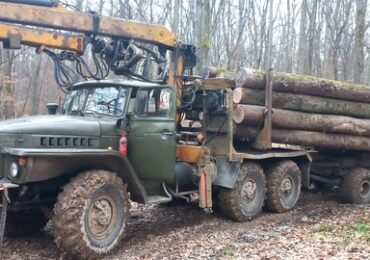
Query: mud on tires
x,y
24,222
245,201
91,214
283,186
355,186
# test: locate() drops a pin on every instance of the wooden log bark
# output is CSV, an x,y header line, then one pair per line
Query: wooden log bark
x,y
303,103
316,140
254,115
306,85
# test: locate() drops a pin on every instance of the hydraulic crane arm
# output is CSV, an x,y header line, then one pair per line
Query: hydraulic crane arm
x,y
125,47
89,24
13,36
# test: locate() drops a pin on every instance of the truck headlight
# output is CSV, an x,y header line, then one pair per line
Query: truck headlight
x,y
14,170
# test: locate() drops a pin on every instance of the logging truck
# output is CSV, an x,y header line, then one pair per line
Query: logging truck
x,y
163,135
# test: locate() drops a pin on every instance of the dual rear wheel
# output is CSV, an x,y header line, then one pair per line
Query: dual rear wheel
x,y
355,186
279,190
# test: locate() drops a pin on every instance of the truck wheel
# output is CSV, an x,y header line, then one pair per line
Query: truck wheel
x,y
91,214
355,186
283,186
24,222
245,201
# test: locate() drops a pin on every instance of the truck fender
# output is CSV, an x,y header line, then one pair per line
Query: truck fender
x,y
123,167
304,164
44,165
227,172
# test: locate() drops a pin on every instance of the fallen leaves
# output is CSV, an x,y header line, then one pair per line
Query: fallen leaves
x,y
319,228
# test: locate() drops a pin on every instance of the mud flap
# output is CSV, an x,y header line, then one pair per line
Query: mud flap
x,y
227,172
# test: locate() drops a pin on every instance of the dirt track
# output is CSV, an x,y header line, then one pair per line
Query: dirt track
x,y
319,228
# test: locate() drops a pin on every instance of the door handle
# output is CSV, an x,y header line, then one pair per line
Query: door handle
x,y
167,133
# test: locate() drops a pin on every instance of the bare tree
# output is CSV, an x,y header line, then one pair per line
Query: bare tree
x,y
359,57
302,46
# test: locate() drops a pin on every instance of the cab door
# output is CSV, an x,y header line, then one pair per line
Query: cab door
x,y
152,134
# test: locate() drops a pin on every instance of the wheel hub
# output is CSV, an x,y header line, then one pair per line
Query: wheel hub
x,y
249,191
286,186
365,188
102,217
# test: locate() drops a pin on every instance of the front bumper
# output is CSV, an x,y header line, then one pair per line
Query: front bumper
x,y
6,184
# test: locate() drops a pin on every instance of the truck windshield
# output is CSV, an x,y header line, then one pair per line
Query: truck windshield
x,y
107,100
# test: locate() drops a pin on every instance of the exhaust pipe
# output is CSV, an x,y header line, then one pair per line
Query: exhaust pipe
x,y
48,3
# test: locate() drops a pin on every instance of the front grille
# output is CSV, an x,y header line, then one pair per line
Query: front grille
x,y
54,141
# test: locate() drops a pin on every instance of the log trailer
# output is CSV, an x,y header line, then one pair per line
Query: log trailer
x,y
164,134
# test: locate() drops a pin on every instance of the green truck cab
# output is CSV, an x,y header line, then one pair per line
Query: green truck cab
x,y
115,141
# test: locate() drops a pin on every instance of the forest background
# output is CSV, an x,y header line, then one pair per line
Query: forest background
x,y
323,38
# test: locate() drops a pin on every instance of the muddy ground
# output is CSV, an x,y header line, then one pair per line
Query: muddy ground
x,y
318,228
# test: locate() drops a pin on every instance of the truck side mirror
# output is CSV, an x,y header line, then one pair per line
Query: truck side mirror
x,y
52,108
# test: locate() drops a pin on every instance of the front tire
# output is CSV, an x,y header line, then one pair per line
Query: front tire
x,y
283,186
91,214
245,201
355,186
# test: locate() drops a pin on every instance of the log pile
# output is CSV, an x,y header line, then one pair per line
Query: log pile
x,y
307,111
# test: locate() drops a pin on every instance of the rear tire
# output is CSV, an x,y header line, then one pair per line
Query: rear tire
x,y
91,214
245,201
283,186
24,222
355,186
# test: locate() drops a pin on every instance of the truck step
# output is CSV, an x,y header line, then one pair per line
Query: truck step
x,y
158,199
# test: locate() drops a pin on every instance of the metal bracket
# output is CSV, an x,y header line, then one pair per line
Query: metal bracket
x,y
13,42
263,140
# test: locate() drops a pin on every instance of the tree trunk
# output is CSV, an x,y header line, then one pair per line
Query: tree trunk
x,y
299,84
79,5
269,44
9,102
359,57
175,16
35,86
202,23
307,139
254,115
302,45
303,103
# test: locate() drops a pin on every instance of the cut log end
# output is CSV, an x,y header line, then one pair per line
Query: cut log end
x,y
241,76
238,94
238,114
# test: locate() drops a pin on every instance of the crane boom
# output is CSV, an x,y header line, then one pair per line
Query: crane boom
x,y
126,47
14,36
90,24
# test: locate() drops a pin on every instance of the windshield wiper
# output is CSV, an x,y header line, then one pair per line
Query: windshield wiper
x,y
76,112
91,112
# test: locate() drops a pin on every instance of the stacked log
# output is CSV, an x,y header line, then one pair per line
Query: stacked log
x,y
306,85
307,111
308,139
303,103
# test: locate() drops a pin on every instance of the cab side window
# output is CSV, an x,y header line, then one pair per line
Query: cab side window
x,y
153,103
